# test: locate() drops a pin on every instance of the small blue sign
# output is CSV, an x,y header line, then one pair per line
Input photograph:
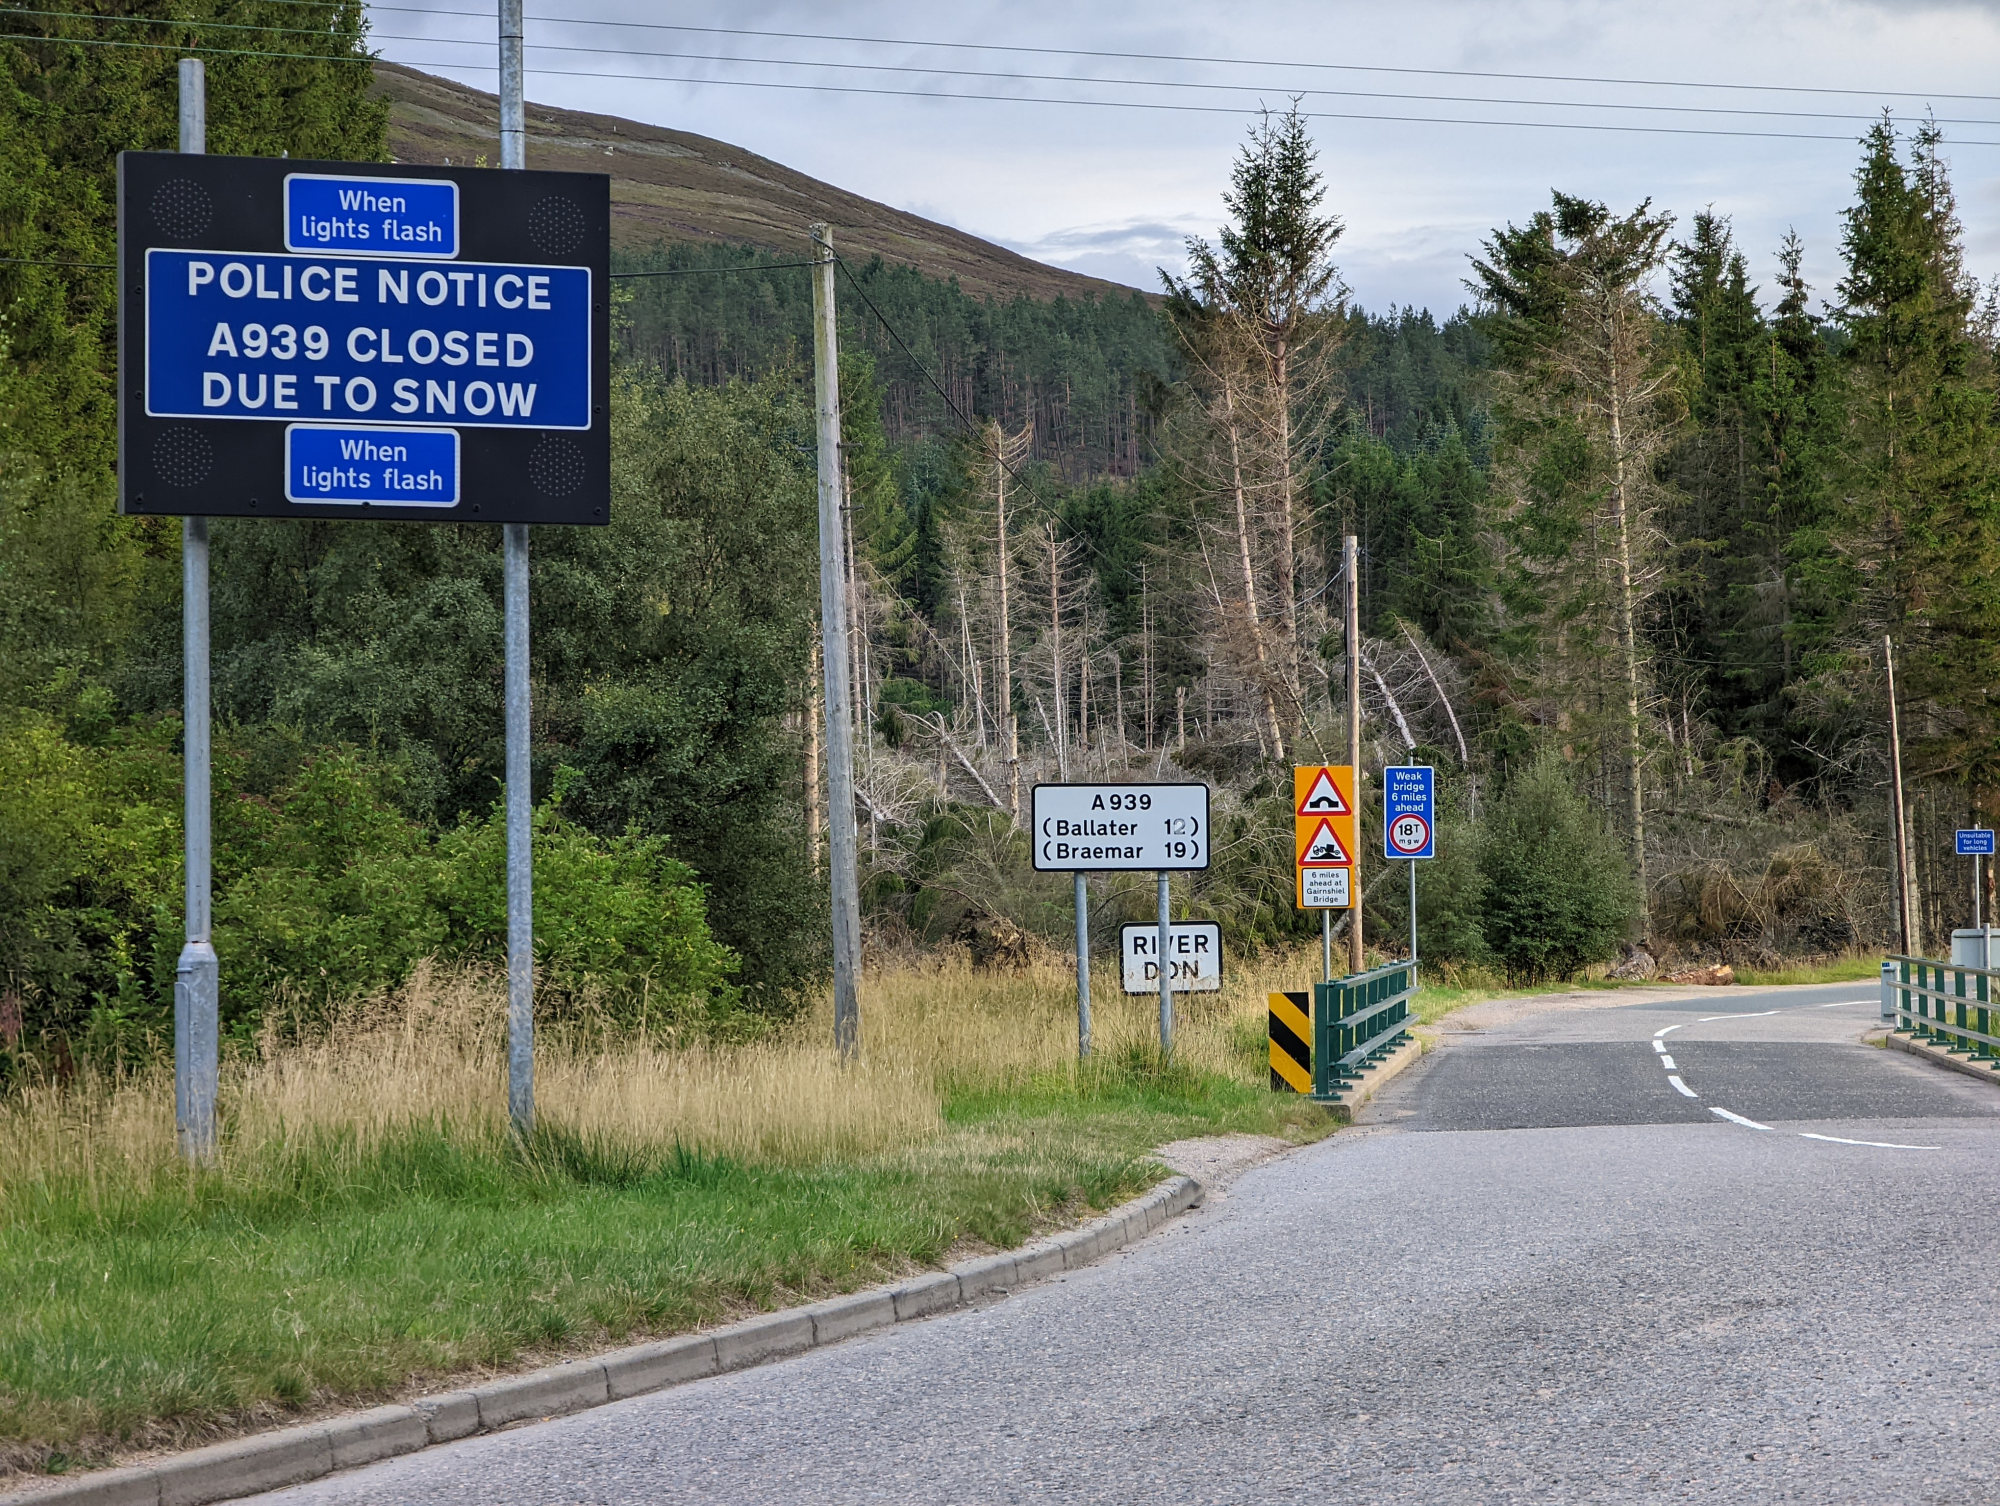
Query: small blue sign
x,y
231,335
1975,842
371,216
1409,811
385,467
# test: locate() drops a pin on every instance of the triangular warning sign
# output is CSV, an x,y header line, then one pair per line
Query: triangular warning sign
x,y
1323,799
1325,849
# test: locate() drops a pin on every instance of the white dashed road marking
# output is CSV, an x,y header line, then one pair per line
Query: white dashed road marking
x,y
1737,1118
1660,1045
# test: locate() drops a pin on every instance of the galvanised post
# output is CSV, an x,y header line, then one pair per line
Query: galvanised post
x,y
197,973
518,792
1325,1038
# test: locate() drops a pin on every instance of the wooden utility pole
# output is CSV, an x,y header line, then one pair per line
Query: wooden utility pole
x,y
1350,568
814,712
1909,933
836,644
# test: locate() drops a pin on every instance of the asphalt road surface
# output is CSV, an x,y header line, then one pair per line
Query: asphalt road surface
x,y
1545,1268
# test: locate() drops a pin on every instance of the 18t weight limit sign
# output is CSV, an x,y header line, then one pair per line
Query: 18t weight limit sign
x,y
1409,811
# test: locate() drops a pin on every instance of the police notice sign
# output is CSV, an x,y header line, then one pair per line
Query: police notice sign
x,y
342,340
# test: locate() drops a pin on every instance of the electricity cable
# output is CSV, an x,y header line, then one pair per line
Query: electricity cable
x,y
971,427
1178,84
1232,110
232,52
1003,75
754,266
1171,57
1040,99
72,15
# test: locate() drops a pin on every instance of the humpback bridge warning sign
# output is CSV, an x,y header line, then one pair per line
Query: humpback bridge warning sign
x,y
1325,838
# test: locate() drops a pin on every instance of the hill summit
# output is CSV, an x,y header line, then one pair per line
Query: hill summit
x,y
671,186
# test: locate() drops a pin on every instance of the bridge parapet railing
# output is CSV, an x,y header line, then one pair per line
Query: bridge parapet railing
x,y
1357,1021
1951,1006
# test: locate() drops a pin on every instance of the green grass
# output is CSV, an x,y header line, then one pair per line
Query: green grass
x,y
1842,970
198,1308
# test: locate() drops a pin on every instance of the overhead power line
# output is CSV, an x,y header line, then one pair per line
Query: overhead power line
x,y
1184,109
1221,61
174,21
1037,99
1177,84
752,266
186,48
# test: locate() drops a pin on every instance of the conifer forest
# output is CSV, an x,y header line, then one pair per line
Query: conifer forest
x,y
1637,522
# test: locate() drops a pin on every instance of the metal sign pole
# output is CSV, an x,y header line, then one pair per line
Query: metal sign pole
x,y
1166,968
520,794
1326,946
1413,915
1082,967
197,975
1350,564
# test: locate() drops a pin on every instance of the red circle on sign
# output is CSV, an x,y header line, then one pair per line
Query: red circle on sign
x,y
1400,833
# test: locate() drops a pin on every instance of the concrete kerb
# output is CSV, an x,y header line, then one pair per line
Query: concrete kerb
x,y
267,1461
1936,1055
1379,1075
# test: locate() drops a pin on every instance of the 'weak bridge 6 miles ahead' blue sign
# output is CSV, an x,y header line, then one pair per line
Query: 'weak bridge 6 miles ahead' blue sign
x,y
362,340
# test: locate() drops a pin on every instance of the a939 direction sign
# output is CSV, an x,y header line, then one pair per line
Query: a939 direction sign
x,y
342,340
1118,828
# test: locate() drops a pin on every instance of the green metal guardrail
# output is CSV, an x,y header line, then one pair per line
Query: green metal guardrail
x,y
1356,1022
1950,1006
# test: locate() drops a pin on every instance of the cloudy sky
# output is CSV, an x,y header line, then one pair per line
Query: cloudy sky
x,y
1749,106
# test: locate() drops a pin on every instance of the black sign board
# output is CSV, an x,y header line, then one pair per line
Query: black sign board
x,y
362,340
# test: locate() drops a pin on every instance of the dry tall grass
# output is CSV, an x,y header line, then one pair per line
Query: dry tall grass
x,y
432,1055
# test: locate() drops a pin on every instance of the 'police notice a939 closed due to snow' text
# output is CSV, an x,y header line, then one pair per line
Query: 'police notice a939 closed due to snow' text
x,y
367,341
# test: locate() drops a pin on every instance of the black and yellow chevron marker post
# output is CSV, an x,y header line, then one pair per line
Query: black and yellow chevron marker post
x,y
1291,1042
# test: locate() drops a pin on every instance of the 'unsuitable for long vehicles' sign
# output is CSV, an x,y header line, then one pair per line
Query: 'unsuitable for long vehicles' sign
x,y
1100,828
362,340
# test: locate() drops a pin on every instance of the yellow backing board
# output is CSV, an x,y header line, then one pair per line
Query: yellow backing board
x,y
1323,797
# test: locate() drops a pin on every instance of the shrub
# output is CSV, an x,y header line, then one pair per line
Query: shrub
x,y
1560,893
1451,898
323,891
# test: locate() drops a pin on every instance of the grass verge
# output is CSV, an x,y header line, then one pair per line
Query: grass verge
x,y
1859,969
370,1228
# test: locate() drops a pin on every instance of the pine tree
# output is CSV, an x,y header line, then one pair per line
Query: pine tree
x,y
1715,620
1590,406
1258,317
1918,535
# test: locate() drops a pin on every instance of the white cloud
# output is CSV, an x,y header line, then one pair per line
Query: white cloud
x,y
1113,191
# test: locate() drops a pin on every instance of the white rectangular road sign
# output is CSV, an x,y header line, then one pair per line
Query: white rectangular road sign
x,y
1324,888
1194,950
1120,828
